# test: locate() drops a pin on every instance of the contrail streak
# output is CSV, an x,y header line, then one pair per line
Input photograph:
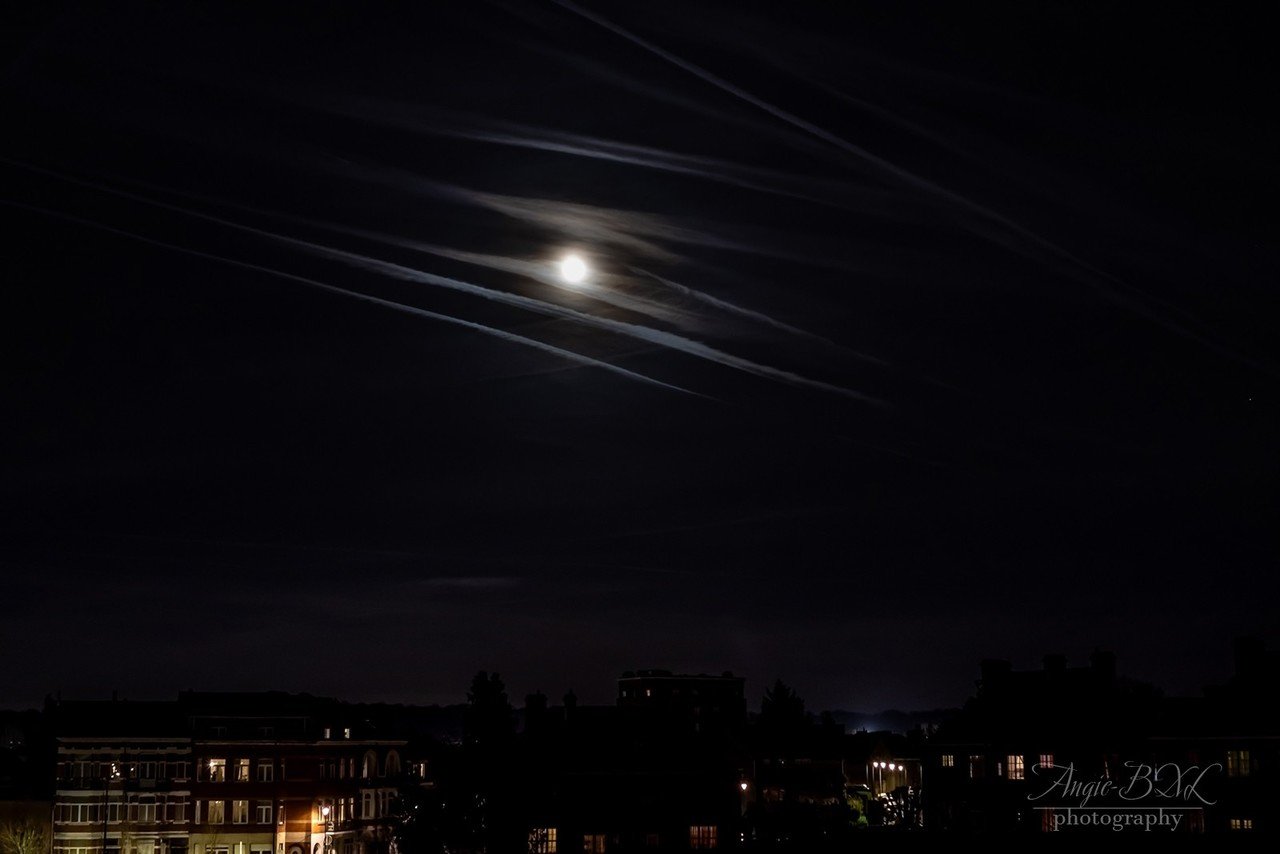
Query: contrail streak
x,y
657,337
379,301
1115,288
751,314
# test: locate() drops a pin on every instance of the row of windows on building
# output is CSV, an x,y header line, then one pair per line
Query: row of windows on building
x,y
122,769
179,846
161,810
1013,766
220,770
216,769
545,840
374,803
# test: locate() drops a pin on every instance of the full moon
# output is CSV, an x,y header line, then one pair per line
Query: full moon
x,y
573,269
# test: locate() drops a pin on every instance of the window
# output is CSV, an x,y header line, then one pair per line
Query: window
x,y
215,812
1241,824
1016,771
239,812
366,803
145,770
370,765
266,772
542,840
593,843
262,812
948,760
1046,760
242,770
975,767
346,732
147,811
217,770
393,764
80,813
1237,763
702,836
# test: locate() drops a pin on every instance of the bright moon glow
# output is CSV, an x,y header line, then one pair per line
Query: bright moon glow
x,y
573,269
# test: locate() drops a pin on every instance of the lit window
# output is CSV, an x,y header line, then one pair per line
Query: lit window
x,y
262,812
266,772
215,812
1237,763
542,840
1015,767
948,760
239,812
593,843
1242,824
1046,760
217,770
702,836
242,770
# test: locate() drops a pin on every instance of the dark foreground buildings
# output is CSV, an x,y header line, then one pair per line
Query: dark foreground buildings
x,y
224,774
1080,748
677,763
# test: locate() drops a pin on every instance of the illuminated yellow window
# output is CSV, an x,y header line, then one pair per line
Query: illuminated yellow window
x,y
1016,771
542,840
703,836
1237,763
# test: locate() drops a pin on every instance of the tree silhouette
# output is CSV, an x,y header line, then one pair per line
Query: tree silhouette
x,y
23,836
489,722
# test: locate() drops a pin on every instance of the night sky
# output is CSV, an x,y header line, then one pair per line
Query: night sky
x,y
913,335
